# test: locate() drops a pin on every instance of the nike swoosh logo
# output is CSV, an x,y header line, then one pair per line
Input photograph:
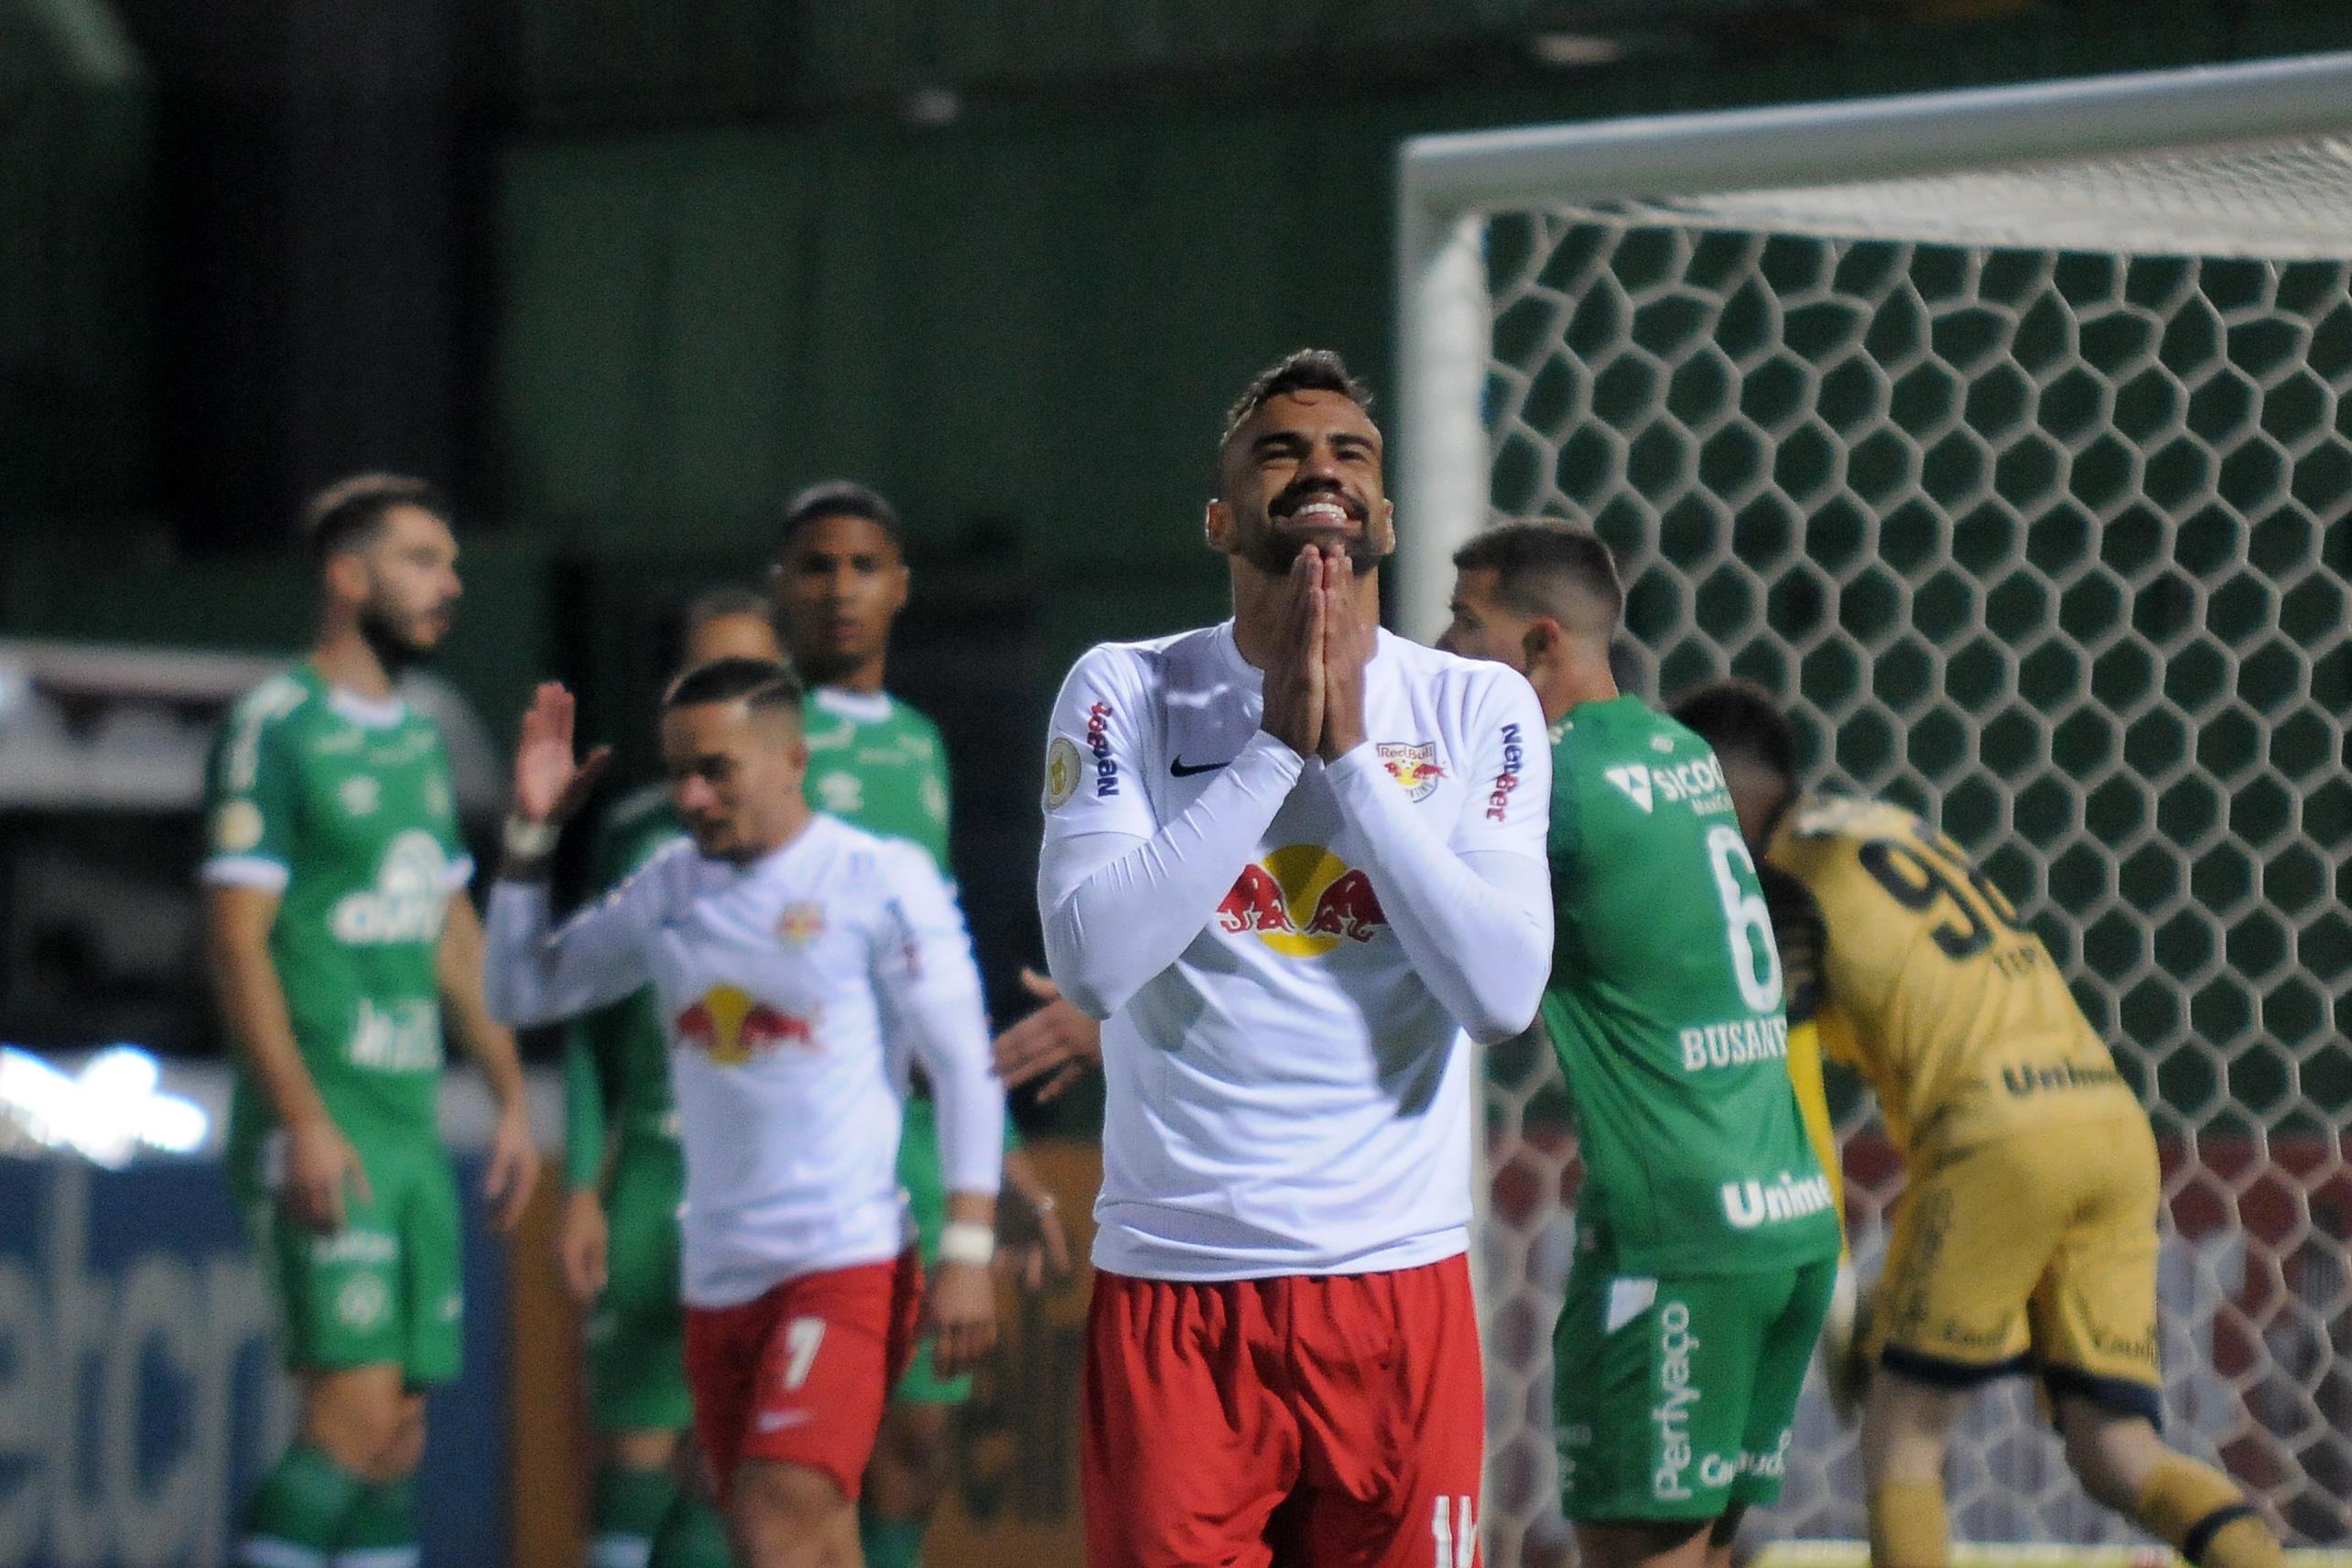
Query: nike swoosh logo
x,y
1183,770
777,1421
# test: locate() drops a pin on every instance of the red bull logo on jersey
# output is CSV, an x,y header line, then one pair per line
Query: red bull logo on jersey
x,y
1303,901
1414,768
800,924
734,1028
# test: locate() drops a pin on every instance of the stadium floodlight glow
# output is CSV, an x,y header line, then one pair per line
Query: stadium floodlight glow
x,y
2000,434
107,1112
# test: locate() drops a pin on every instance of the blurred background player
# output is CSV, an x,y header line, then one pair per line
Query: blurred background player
x,y
801,965
840,580
2026,1239
337,930
625,1177
1292,860
1707,1238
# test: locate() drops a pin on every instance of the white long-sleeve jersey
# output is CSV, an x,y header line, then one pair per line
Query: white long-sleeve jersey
x,y
1288,954
796,991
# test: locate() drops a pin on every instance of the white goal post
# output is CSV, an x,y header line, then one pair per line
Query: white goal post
x,y
2007,435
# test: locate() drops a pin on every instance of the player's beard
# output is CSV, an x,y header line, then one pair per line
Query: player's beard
x,y
389,641
1271,549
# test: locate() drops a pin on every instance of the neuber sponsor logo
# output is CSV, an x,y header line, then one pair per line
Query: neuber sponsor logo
x,y
410,898
1097,740
1498,800
1670,1414
1750,1204
1734,1042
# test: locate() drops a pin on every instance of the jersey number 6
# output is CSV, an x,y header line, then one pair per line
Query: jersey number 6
x,y
1747,920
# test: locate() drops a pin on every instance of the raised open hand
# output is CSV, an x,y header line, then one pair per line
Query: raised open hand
x,y
550,783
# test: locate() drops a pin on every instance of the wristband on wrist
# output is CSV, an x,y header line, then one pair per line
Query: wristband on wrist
x,y
967,1241
527,840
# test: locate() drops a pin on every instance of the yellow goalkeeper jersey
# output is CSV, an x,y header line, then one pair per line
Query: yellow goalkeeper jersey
x,y
1934,990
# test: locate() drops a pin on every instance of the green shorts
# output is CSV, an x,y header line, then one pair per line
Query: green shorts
x,y
1673,1396
389,1286
926,1186
636,1334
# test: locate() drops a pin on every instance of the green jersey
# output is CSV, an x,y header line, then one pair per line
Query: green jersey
x,y
872,761
343,805
1664,1005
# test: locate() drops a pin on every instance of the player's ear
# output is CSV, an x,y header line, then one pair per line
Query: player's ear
x,y
1217,525
1542,636
344,574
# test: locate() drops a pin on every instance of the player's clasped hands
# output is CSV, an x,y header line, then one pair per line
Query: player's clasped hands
x,y
1315,680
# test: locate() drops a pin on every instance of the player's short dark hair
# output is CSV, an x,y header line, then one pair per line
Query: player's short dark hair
x,y
1308,369
838,498
719,603
1537,564
1739,717
348,514
760,683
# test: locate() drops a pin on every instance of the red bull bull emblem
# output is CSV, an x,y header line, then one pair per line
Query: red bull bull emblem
x,y
732,1028
1303,901
801,924
1414,768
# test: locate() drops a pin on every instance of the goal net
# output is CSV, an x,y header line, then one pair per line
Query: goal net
x,y
2008,436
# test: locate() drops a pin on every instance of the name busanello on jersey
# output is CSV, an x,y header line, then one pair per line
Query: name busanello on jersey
x,y
1735,1043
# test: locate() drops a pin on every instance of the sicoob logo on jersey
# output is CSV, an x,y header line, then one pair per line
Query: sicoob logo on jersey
x,y
1414,768
1303,901
732,1028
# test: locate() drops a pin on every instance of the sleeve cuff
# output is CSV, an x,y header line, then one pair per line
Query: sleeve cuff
x,y
245,871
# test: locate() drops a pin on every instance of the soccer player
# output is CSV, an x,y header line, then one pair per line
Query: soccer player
x,y
618,1245
1707,1238
840,580
2025,1237
336,929
1290,861
801,965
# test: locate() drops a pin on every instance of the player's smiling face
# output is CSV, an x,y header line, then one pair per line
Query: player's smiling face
x,y
735,774
840,583
412,584
1304,469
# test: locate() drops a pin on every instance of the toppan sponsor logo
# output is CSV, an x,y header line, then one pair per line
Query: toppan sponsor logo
x,y
1303,901
1097,740
1750,1204
1734,1042
1498,800
1670,1414
410,898
733,1028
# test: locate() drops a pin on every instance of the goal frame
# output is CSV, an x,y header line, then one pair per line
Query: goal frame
x,y
1447,185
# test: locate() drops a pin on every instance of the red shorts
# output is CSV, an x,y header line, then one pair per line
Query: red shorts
x,y
1318,1419
801,1374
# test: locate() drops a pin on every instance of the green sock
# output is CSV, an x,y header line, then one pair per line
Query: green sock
x,y
381,1529
693,1536
295,1518
626,1515
892,1542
